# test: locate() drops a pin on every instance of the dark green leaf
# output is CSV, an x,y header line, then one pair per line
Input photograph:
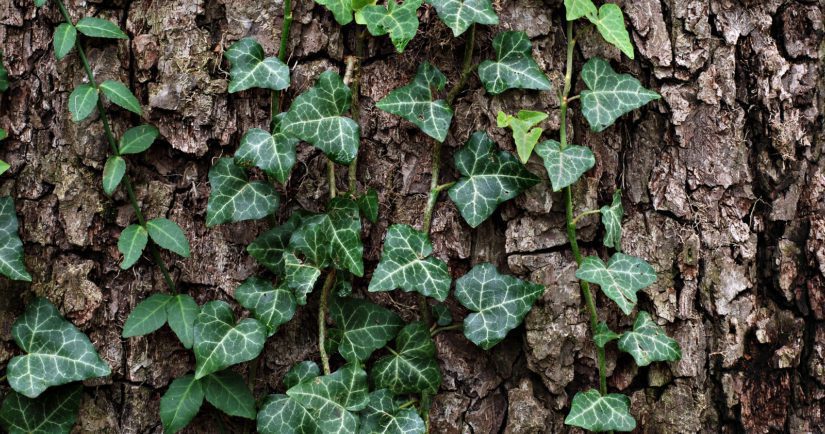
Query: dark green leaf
x,y
416,102
251,69
365,327
82,102
65,36
11,248
524,134
459,15
610,95
138,139
332,399
273,153
119,94
53,412
300,276
594,412
612,221
234,198
100,28
401,22
649,343
442,314
515,67
181,312
368,204
180,403
281,414
220,343
169,235
113,172
619,279
332,238
384,415
131,243
412,368
301,372
565,167
148,316
272,306
268,249
228,392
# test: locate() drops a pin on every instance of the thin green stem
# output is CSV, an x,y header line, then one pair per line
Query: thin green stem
x,y
466,67
437,330
408,404
355,86
322,320
585,214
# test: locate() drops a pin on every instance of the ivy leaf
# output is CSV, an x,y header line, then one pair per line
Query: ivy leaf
x,y
228,392
649,343
138,139
301,372
332,398
603,335
384,415
131,243
56,352
341,9
65,36
268,249
82,102
3,165
619,279
610,23
234,198
181,312
11,248
169,235
612,221
119,94
597,413
401,22
273,153
459,15
300,277
334,237
220,343
442,314
488,179
251,69
315,117
565,167
272,306
406,264
524,134
579,8
148,316
100,28
515,67
280,414
365,327
180,403
55,411
415,102
412,368
500,301
368,204
610,95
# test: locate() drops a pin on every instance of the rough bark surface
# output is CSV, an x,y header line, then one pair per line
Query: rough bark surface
x,y
723,181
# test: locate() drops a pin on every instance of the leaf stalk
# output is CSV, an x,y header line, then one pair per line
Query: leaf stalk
x,y
322,320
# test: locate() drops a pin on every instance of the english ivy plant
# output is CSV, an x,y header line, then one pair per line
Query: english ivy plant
x,y
514,67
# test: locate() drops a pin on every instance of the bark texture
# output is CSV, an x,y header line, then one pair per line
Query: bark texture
x,y
723,182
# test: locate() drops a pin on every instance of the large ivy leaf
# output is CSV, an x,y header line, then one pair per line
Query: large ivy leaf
x,y
181,403
268,249
234,198
488,179
65,36
272,306
251,69
576,9
273,153
99,28
280,414
53,412
401,22
333,237
168,235
181,312
332,399
56,351
148,316
384,415
365,327
412,368
415,102
131,243
113,172
220,343
138,139
119,94
597,413
619,279
565,167
406,263
459,15
228,392
649,343
515,67
500,301
300,276
315,117
610,95
524,134
11,248
610,23
612,220
83,101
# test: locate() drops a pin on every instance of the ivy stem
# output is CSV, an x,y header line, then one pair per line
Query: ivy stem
x,y
466,67
407,404
571,221
322,320
438,330
277,101
585,214
354,70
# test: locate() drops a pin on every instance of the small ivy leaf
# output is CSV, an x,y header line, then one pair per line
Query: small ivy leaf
x,y
11,248
119,94
649,343
56,352
488,179
4,76
250,68
579,8
565,167
610,95
234,198
334,237
53,412
131,243
148,316
413,368
603,335
300,277
113,172
597,413
384,415
341,9
138,139
65,36
610,23
270,305
401,22
500,301
315,117
168,235
332,399
181,403
365,327
524,134
220,343
301,372
343,288
515,67
406,263
181,312
280,414
228,392
459,15
415,102
368,204
612,221
268,249
82,102
3,165
619,279
100,28
273,153
442,314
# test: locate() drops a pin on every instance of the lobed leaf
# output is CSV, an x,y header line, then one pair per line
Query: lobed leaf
x,y
415,102
332,399
82,101
220,342
181,403
524,134
612,221
99,28
11,248
594,412
649,343
119,94
384,415
55,411
181,312
113,172
610,23
250,69
280,414
272,153
459,15
365,327
65,36
138,139
610,95
228,392
168,235
268,249
603,335
300,276
131,243
619,279
148,316
401,22
270,305
412,368
565,167
514,67
234,198
332,238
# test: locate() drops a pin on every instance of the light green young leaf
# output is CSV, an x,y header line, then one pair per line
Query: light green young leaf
x,y
459,15
228,392
131,243
488,179
119,94
515,67
315,117
11,248
100,28
138,139
3,165
365,327
603,335
341,9
406,264
649,343
524,134
332,238
610,95
234,198
610,23
82,102
332,399
401,22
412,368
576,9
612,221
168,235
220,343
300,276
180,403
619,279
181,312
268,249
272,306
52,412
368,204
415,102
65,36
113,172
500,301
251,69
56,352
148,316
564,168
273,153
597,413
280,414
384,415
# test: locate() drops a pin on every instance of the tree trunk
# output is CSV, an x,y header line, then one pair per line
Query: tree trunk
x,y
722,181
